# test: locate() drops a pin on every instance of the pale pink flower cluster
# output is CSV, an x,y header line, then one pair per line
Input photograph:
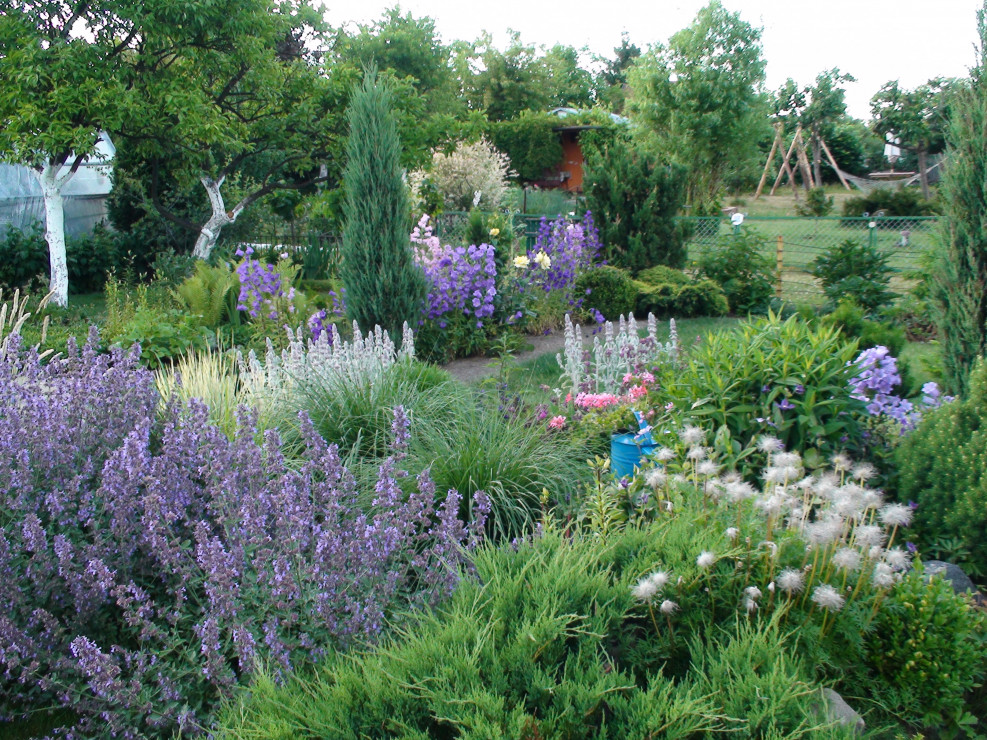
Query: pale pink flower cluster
x,y
596,400
556,422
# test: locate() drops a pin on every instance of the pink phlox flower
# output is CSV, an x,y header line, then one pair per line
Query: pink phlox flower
x,y
638,391
556,422
596,400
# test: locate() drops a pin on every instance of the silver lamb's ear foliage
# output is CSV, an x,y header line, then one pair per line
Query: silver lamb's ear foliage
x,y
619,352
361,361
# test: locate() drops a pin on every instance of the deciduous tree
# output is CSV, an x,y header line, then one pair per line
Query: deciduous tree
x,y
702,100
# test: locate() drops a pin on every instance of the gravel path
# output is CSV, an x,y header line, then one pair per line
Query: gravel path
x,y
473,369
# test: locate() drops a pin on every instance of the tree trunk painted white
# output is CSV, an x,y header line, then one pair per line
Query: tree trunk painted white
x,y
210,231
51,187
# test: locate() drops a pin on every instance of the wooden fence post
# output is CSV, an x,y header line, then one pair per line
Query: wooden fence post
x,y
779,263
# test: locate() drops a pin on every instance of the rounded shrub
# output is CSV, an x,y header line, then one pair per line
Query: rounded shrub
x,y
738,264
856,270
942,466
663,275
926,633
609,290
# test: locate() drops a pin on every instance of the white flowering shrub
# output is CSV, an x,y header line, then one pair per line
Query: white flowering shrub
x,y
471,176
618,353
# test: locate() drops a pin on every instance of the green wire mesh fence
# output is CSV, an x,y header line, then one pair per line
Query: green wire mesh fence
x,y
793,243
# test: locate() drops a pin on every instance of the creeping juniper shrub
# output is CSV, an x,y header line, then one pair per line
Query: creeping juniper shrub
x,y
146,568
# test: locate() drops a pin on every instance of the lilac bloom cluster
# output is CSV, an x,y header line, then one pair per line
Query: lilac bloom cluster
x,y
260,287
874,382
570,248
147,565
462,280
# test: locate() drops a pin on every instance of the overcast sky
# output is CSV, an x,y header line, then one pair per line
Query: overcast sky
x,y
874,40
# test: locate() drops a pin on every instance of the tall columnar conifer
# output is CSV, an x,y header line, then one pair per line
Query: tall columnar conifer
x,y
959,290
383,283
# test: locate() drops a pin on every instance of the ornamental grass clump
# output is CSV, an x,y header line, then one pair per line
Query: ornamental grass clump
x,y
147,567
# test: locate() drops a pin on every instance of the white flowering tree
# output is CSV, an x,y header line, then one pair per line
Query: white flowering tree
x,y
472,175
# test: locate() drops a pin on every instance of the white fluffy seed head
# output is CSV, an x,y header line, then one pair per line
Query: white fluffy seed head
x,y
769,444
750,605
665,454
897,559
644,590
847,558
732,533
705,559
659,579
668,606
696,453
896,515
869,535
656,477
787,460
828,597
707,468
841,462
883,576
791,581
753,592
863,471
692,435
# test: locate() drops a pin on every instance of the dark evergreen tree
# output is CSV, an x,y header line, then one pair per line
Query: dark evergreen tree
x,y
383,284
634,199
959,290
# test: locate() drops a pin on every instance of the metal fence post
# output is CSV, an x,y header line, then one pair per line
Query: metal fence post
x,y
779,263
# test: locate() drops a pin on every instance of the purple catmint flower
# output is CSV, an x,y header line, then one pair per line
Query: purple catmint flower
x,y
142,531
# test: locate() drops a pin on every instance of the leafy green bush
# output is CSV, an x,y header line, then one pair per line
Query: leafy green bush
x,y
925,633
694,298
736,262
899,202
787,379
943,468
609,290
856,270
24,259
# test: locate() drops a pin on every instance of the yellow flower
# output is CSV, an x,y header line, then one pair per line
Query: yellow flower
x,y
521,261
494,232
543,260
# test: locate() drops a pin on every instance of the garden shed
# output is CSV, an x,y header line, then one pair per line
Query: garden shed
x,y
568,174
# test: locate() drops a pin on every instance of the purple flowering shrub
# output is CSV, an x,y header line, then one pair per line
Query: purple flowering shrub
x,y
875,382
570,248
146,567
462,294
